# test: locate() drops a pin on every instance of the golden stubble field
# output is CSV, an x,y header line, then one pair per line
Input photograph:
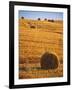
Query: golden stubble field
x,y
35,38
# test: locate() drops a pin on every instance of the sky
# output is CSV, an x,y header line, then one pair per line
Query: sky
x,y
40,14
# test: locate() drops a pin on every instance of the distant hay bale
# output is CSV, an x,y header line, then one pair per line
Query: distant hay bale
x,y
22,17
39,19
45,19
50,20
32,26
49,61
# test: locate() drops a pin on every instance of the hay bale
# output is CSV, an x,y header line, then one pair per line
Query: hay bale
x,y
49,61
32,26
39,19
22,17
51,20
45,19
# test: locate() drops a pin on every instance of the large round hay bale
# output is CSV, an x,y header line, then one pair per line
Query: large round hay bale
x,y
49,61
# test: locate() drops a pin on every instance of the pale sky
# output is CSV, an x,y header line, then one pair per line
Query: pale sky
x,y
41,14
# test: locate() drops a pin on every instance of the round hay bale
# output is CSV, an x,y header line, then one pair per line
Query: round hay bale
x,y
32,26
39,19
45,19
49,61
22,17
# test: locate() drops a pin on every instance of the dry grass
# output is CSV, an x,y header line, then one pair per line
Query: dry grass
x,y
35,38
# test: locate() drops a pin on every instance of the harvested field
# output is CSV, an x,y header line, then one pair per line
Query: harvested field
x,y
37,37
